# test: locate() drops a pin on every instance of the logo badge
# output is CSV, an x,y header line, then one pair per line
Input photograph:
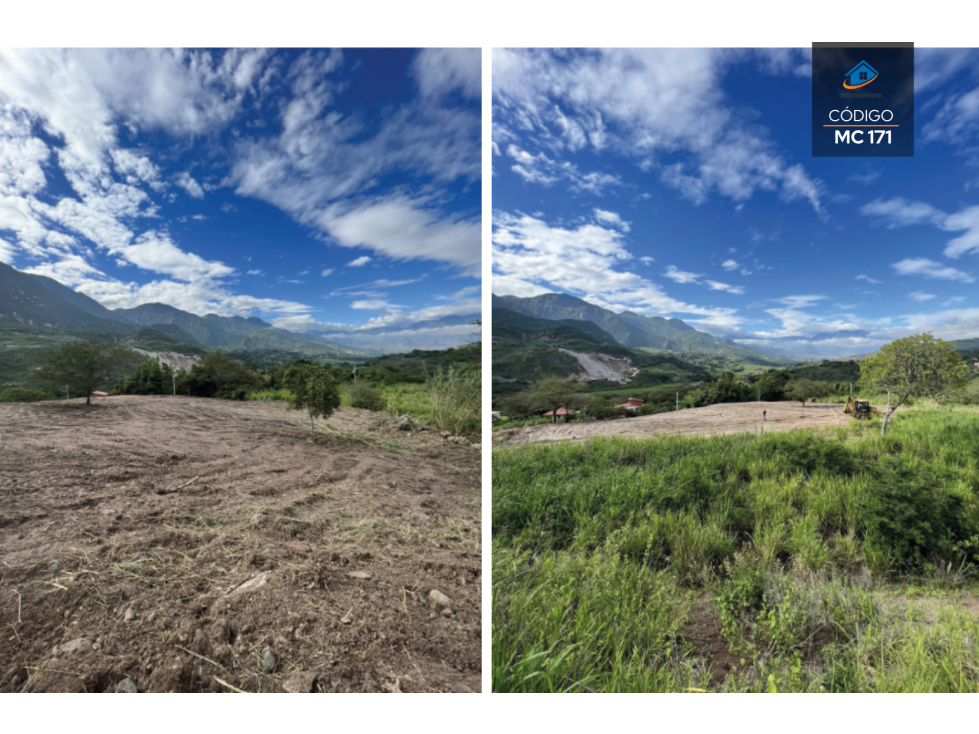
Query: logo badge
x,y
859,76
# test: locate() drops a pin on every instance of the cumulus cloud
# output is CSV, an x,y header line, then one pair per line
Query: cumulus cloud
x,y
612,218
359,262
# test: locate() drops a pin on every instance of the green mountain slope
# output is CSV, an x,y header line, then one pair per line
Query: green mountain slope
x,y
33,300
631,329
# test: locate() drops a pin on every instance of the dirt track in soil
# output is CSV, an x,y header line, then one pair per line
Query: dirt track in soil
x,y
712,420
127,532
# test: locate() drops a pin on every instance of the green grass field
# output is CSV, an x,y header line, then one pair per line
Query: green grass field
x,y
785,562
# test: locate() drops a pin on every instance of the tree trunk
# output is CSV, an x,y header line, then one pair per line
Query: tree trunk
x,y
887,417
88,399
312,431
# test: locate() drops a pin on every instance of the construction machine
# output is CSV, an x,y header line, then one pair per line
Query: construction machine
x,y
861,409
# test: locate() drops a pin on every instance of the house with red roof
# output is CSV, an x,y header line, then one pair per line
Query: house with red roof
x,y
631,404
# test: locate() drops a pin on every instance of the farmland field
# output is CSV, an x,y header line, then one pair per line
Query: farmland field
x,y
173,540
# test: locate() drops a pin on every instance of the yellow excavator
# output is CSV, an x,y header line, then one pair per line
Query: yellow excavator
x,y
861,409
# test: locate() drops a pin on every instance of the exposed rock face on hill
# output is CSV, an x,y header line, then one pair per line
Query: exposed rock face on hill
x,y
173,359
603,367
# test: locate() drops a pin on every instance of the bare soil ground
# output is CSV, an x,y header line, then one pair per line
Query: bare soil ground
x,y
709,421
173,540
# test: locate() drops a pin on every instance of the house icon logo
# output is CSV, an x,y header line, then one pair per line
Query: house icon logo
x,y
859,76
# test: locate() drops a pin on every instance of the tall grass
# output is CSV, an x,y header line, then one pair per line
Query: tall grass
x,y
456,398
794,542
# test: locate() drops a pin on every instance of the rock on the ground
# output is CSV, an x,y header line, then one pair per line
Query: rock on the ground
x,y
405,423
269,661
301,681
72,646
440,601
130,615
126,685
365,575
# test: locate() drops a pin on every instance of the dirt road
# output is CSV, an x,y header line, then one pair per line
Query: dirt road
x,y
173,541
710,421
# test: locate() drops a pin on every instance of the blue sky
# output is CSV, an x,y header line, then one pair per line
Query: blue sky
x,y
327,190
681,182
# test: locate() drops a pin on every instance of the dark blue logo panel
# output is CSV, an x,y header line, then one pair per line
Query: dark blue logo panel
x,y
863,100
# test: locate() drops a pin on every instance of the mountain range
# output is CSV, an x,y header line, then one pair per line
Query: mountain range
x,y
44,303
630,329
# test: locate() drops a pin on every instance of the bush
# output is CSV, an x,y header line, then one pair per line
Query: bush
x,y
911,519
457,399
23,395
362,395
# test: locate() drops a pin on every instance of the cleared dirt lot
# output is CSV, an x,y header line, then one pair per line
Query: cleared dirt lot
x,y
709,421
173,540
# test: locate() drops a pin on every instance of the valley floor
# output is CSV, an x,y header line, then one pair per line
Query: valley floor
x,y
173,540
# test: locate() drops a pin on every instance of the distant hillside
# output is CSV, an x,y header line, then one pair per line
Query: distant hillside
x,y
632,330
426,361
523,354
40,302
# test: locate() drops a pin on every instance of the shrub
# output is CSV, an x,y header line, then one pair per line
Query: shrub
x,y
362,395
23,395
912,519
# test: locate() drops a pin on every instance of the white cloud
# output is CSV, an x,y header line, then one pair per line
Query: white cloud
x,y
681,276
326,273
403,229
359,262
919,296
646,260
730,265
256,272
734,289
612,218
441,71
930,269
899,212
638,104
868,279
185,181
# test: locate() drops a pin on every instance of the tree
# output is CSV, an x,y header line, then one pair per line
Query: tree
x,y
83,366
803,390
550,394
913,367
312,389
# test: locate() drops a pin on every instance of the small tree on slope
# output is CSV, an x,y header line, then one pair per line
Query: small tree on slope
x,y
916,366
83,365
312,389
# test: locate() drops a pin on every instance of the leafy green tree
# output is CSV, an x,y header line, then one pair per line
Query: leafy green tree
x,y
218,375
150,378
803,390
83,366
916,366
312,389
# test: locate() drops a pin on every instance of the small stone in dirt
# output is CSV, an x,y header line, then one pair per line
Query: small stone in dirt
x,y
96,645
302,681
269,661
126,685
67,648
347,619
446,612
130,615
444,434
360,575
440,600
